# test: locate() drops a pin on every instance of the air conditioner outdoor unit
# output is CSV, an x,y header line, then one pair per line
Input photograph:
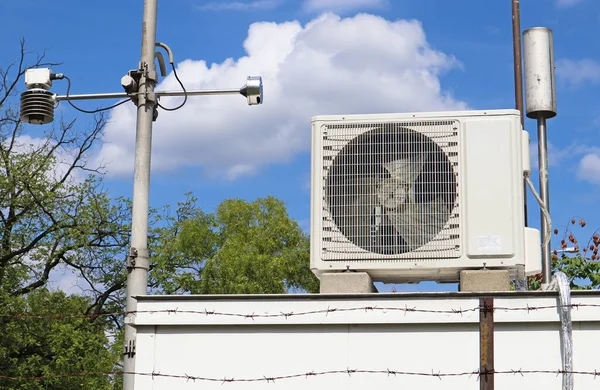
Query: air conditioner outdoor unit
x,y
420,196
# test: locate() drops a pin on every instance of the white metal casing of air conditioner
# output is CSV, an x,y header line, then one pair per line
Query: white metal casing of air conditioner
x,y
489,152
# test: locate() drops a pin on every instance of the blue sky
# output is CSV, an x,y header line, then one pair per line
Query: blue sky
x,y
459,52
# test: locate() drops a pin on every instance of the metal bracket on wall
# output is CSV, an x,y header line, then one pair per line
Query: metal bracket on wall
x,y
131,256
129,349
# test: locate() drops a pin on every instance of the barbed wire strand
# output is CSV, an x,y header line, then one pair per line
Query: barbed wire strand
x,y
206,312
263,378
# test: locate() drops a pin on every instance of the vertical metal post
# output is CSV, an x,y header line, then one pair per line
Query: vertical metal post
x,y
138,259
545,195
486,343
516,31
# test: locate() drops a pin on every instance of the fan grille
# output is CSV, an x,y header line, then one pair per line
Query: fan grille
x,y
390,189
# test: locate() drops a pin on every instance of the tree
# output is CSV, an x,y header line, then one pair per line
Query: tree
x,y
241,248
581,264
53,208
33,347
55,212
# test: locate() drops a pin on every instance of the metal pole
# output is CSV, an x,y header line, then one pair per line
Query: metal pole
x,y
204,92
138,259
116,95
486,344
516,30
123,95
544,194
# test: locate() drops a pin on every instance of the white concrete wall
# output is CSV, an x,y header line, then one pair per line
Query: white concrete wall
x,y
250,337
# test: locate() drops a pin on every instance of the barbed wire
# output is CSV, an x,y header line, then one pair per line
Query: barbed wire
x,y
271,379
325,311
329,310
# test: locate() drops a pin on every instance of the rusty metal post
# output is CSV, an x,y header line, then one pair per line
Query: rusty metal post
x,y
516,30
517,60
486,343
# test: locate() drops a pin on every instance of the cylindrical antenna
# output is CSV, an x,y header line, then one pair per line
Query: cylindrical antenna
x,y
540,95
540,88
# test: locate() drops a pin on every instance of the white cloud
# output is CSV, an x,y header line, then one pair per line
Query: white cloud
x,y
341,6
239,5
585,157
567,3
589,168
65,279
328,66
556,155
63,156
578,72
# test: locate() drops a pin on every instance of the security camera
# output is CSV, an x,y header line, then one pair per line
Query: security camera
x,y
128,83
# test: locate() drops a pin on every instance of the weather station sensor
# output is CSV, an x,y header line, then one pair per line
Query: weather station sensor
x,y
253,90
420,196
38,78
37,103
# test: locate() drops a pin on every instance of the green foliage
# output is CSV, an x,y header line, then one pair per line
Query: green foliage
x,y
34,347
581,265
241,248
55,212
53,208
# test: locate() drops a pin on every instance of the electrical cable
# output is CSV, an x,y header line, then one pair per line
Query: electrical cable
x,y
543,208
182,87
562,283
89,111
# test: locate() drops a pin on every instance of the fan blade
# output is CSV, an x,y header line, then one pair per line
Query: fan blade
x,y
419,223
356,211
405,171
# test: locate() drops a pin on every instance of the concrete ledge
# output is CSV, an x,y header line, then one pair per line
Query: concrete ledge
x,y
346,283
484,280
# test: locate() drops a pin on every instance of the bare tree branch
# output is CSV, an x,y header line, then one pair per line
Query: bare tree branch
x,y
43,212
